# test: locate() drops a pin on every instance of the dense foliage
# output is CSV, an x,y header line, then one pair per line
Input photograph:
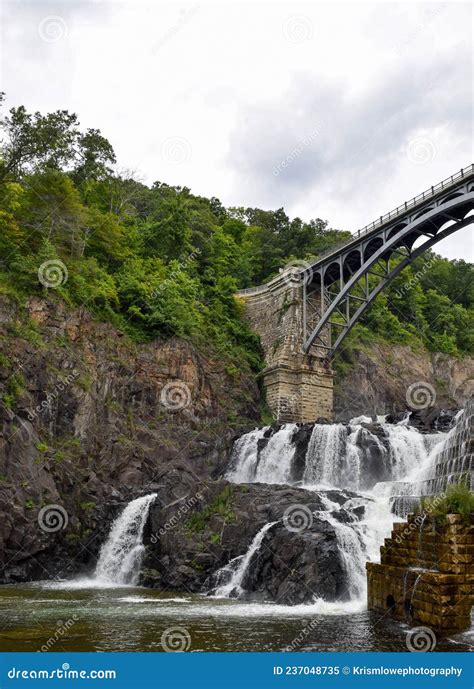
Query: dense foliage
x,y
160,260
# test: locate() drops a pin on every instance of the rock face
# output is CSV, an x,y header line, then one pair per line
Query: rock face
x,y
87,420
293,568
379,379
189,538
90,421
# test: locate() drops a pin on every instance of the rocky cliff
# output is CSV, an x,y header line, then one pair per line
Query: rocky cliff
x,y
90,420
379,378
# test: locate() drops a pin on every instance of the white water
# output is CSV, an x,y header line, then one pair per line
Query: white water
x,y
121,555
232,575
272,464
244,457
275,462
440,452
407,449
335,460
326,447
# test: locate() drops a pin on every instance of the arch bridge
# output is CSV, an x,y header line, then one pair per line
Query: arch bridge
x,y
304,314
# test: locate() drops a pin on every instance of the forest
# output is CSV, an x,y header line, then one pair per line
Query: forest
x,y
159,260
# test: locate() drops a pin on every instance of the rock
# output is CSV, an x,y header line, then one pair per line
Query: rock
x,y
88,430
222,526
427,420
301,439
378,381
294,568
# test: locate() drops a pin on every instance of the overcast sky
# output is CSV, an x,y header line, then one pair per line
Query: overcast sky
x,y
338,111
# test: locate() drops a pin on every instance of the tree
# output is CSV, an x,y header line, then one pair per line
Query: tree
x,y
95,154
34,142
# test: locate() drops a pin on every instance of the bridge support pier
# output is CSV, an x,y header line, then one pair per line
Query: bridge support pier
x,y
298,386
299,392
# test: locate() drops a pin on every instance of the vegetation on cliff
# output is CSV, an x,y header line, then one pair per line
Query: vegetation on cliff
x,y
161,261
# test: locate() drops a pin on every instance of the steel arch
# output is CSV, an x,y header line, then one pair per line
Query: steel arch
x,y
451,207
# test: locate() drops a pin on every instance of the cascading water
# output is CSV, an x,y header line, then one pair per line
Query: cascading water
x,y
121,555
274,464
230,578
326,452
340,456
446,456
407,449
270,463
243,461
351,548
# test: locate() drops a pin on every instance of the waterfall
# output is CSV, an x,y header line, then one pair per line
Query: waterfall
x,y
386,462
121,555
325,454
407,448
274,463
230,578
271,463
243,461
351,549
446,460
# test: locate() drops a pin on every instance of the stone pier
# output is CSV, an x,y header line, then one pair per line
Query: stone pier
x,y
426,573
298,386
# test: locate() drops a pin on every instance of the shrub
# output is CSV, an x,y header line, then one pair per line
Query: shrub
x,y
457,499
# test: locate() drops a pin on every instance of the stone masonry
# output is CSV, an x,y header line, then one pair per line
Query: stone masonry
x,y
426,573
298,386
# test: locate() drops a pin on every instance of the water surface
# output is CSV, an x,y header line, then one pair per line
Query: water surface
x,y
75,616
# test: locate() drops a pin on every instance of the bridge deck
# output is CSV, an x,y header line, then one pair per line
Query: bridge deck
x,y
392,217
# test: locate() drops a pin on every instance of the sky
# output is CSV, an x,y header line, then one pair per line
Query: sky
x,y
339,111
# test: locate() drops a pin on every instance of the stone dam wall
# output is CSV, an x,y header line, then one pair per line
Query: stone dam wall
x,y
426,573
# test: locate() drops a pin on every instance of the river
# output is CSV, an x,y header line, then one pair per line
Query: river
x,y
60,617
109,612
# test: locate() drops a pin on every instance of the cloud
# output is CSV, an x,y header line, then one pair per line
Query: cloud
x,y
319,133
340,111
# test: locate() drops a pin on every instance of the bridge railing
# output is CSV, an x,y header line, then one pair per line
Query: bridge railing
x,y
391,215
400,210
